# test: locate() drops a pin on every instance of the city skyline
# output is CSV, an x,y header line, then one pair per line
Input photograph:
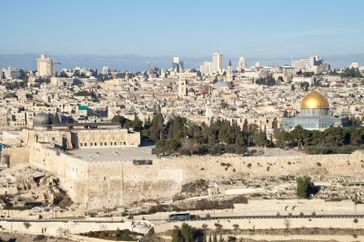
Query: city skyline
x,y
141,63
188,29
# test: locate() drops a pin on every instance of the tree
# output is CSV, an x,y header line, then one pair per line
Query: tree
x,y
156,129
283,139
214,238
187,232
285,114
245,126
304,186
176,128
137,124
121,120
275,123
166,147
260,139
177,235
298,134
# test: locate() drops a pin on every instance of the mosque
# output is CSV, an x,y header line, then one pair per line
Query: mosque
x,y
314,114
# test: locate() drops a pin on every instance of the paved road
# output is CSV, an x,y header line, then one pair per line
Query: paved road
x,y
102,220
274,217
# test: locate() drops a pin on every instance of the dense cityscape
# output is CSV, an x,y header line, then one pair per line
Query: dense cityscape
x,y
221,151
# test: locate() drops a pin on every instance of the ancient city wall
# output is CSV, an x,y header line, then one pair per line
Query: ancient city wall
x,y
112,184
124,182
233,166
105,184
16,155
71,171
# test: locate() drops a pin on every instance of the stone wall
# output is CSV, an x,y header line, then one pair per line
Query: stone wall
x,y
17,155
105,184
57,228
123,183
214,167
72,172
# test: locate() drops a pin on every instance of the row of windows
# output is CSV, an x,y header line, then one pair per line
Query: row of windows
x,y
73,169
102,144
18,124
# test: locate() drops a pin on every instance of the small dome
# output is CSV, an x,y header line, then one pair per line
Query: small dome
x,y
314,100
42,119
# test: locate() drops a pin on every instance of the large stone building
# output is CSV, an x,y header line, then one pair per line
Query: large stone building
x,y
314,114
45,66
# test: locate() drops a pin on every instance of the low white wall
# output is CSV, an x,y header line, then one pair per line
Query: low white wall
x,y
62,228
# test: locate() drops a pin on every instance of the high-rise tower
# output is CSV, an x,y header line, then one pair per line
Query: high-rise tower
x,y
217,62
45,66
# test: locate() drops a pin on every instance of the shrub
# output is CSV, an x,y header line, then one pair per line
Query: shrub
x,y
27,225
305,187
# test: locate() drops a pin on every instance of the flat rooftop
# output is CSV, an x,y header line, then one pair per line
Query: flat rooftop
x,y
113,154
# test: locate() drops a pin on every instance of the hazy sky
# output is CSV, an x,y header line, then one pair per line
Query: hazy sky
x,y
189,28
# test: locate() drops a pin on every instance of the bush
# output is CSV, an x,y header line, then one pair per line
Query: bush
x,y
27,225
217,149
304,186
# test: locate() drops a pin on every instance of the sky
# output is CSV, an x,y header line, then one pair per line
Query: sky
x,y
191,29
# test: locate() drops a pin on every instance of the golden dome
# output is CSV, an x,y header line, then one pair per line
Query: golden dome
x,y
314,100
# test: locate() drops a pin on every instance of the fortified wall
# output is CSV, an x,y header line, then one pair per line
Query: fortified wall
x,y
109,184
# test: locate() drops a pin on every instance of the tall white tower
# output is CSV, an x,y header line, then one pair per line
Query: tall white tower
x,y
177,65
217,62
242,63
182,87
45,66
229,74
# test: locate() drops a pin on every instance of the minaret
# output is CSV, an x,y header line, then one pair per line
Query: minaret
x,y
229,75
182,87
